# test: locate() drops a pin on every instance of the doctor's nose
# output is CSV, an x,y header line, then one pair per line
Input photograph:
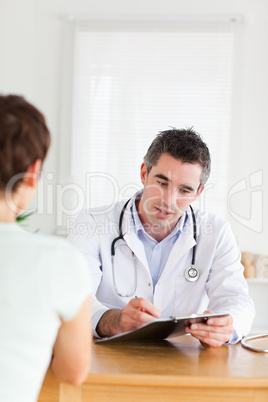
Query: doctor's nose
x,y
170,198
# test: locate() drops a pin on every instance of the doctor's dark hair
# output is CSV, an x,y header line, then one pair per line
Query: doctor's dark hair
x,y
183,144
24,138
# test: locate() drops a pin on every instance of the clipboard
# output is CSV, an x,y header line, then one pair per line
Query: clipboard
x,y
160,328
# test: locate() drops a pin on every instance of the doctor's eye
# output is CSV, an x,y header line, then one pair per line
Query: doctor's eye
x,y
184,191
162,183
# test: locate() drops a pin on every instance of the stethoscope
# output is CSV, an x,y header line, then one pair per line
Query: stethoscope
x,y
133,257
191,274
244,342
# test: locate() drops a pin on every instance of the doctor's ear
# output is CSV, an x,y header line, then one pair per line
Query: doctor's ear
x,y
199,192
143,172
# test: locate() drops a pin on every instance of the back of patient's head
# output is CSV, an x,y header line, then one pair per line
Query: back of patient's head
x,y
24,138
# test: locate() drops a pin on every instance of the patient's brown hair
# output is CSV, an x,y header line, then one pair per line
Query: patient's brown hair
x,y
24,138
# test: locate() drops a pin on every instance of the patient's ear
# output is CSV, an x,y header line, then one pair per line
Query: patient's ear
x,y
33,172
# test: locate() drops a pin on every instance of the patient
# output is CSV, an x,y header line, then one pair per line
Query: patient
x,y
44,296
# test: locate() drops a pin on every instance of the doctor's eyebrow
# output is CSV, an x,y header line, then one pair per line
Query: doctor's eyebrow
x,y
187,187
184,186
163,177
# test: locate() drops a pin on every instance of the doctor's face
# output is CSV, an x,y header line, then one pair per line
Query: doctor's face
x,y
169,188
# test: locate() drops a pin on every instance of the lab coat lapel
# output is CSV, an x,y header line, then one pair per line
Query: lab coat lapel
x,y
137,247
131,238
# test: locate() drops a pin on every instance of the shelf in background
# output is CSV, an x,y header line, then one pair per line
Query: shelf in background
x,y
258,280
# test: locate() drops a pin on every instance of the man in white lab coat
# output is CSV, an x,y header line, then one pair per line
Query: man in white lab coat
x,y
150,277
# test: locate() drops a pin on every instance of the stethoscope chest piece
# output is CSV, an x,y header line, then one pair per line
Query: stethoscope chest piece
x,y
191,274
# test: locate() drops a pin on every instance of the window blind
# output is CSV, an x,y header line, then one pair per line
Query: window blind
x,y
132,80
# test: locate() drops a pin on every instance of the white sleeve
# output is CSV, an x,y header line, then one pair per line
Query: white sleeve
x,y
227,288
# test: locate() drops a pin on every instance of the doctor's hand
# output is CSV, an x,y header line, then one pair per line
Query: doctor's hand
x,y
137,312
214,333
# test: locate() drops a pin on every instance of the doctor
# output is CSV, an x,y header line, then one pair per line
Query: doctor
x,y
150,273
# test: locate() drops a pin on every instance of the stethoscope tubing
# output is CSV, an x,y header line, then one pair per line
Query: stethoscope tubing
x,y
120,236
250,338
194,234
120,229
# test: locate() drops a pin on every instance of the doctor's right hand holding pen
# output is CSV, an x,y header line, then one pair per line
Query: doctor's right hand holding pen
x,y
136,313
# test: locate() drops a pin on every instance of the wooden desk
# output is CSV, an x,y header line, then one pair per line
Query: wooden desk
x,y
177,370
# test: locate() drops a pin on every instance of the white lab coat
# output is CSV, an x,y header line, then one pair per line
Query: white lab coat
x,y
221,286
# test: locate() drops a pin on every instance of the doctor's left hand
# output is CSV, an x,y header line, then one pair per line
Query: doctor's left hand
x,y
214,333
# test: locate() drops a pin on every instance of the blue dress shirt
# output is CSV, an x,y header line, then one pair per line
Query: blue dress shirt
x,y
157,253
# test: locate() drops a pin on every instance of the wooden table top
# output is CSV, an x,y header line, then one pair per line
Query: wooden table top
x,y
180,357
178,369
